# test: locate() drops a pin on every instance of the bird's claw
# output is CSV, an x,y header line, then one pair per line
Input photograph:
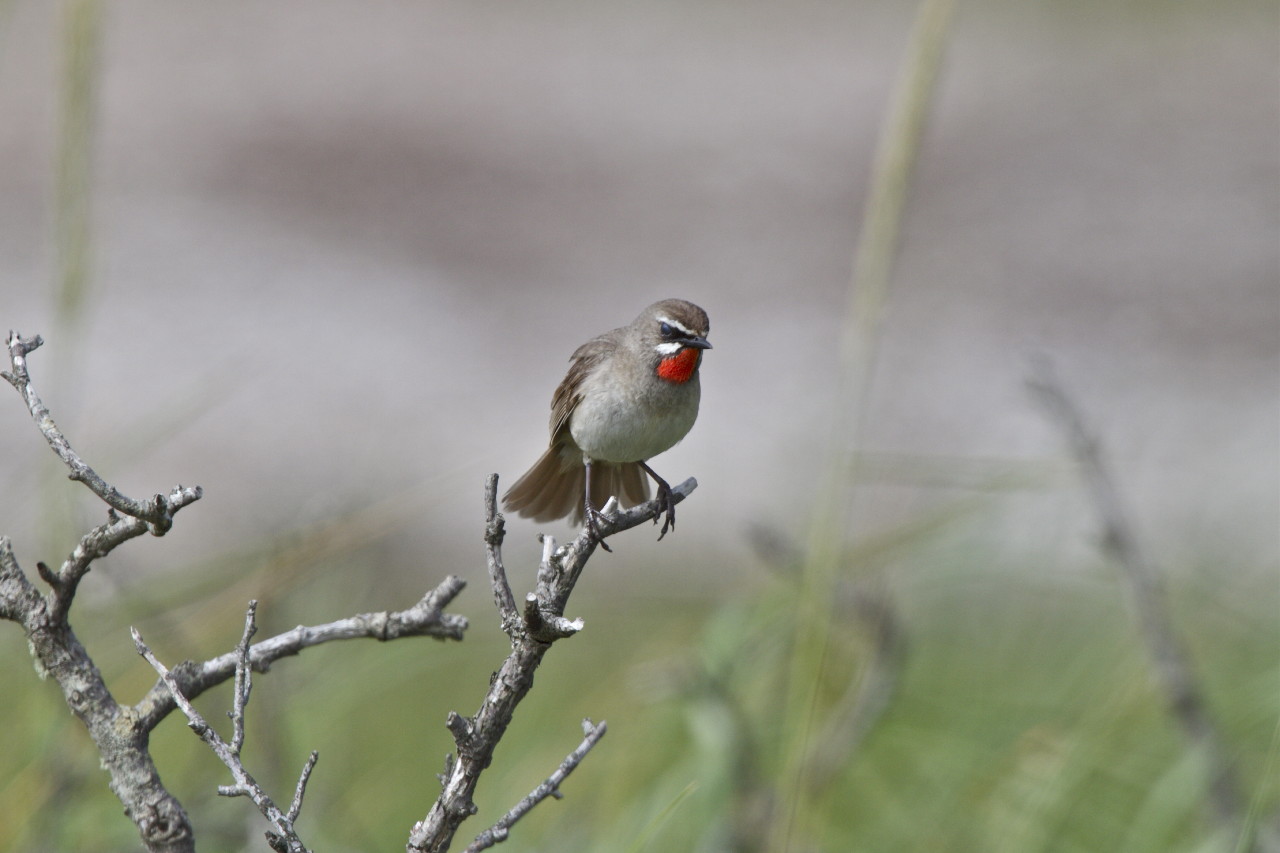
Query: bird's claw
x,y
593,517
667,507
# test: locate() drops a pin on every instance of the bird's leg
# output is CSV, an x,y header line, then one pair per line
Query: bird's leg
x,y
589,512
665,500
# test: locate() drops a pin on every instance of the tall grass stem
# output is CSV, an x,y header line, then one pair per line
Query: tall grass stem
x,y
877,246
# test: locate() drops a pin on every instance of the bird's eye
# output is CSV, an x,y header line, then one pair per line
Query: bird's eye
x,y
666,330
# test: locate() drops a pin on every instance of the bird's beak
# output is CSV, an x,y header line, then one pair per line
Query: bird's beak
x,y
696,342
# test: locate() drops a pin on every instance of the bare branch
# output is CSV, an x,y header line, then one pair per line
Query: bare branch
x,y
544,622
244,678
546,627
121,742
426,618
549,788
245,784
156,512
301,791
569,560
100,542
494,531
154,516
122,733
1169,656
47,574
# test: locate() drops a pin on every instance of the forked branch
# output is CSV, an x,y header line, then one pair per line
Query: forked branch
x,y
122,733
549,788
532,634
157,512
285,839
424,619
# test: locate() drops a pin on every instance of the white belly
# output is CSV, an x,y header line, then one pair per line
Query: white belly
x,y
619,427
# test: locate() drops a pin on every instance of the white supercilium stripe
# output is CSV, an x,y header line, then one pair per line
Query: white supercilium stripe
x,y
680,326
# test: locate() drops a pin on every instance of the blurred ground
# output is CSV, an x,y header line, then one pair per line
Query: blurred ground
x,y
369,235
342,252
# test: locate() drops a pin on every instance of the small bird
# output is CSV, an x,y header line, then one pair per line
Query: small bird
x,y
629,395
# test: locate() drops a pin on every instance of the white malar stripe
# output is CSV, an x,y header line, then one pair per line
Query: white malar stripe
x,y
670,348
670,322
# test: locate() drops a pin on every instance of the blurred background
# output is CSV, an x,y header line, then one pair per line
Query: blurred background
x,y
328,261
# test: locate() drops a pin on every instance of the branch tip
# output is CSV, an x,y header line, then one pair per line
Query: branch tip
x,y
49,575
244,677
549,788
295,808
460,727
493,535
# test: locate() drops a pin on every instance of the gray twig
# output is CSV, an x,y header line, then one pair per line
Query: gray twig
x,y
157,512
120,737
300,791
543,622
100,542
229,753
569,560
494,531
1172,664
122,733
154,516
549,788
424,619
244,678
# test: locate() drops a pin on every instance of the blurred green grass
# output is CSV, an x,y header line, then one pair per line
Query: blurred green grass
x,y
1024,717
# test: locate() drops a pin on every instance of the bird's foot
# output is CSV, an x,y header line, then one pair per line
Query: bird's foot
x,y
667,502
593,518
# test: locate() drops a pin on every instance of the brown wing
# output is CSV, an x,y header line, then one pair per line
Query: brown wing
x,y
584,360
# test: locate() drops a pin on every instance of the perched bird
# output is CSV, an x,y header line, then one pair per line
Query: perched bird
x,y
630,394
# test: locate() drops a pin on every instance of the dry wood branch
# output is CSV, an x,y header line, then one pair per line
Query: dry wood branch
x,y
494,531
244,678
154,515
295,807
1171,662
120,739
156,512
229,753
424,619
100,542
121,733
549,788
569,560
543,622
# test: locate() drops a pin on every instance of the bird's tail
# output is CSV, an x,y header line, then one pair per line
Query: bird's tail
x,y
553,487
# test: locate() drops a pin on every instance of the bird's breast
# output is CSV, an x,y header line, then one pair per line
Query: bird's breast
x,y
615,422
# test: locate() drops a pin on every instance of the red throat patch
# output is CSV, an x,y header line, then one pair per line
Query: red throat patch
x,y
681,366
